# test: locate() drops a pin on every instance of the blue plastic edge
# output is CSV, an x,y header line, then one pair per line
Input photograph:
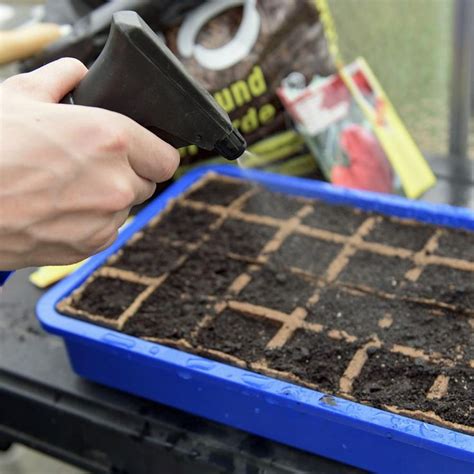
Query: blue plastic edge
x,y
4,276
290,398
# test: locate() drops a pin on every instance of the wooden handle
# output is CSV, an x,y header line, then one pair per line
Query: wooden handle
x,y
24,42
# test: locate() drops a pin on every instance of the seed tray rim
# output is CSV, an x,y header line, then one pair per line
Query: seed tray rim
x,y
380,423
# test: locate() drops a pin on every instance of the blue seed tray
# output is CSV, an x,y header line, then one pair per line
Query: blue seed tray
x,y
329,426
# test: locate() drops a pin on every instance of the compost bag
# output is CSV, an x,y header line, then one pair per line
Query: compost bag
x,y
241,51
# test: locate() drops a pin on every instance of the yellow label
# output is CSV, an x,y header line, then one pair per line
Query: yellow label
x,y
330,32
242,91
403,153
46,276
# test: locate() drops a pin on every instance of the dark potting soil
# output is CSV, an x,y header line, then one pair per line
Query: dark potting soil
x,y
436,331
389,378
181,223
371,299
277,289
444,284
108,297
313,357
375,271
242,238
357,314
238,335
397,380
456,244
469,349
168,313
272,204
152,256
458,405
398,234
206,272
340,219
218,192
306,253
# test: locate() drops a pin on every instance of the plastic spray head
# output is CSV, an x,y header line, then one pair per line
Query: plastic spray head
x,y
232,146
138,76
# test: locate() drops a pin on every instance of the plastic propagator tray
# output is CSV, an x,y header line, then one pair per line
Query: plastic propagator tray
x,y
330,426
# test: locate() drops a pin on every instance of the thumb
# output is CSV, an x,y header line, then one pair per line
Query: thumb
x,y
50,83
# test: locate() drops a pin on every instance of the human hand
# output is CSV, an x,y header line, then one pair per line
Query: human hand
x,y
69,175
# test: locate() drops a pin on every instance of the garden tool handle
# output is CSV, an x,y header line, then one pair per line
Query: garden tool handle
x,y
21,43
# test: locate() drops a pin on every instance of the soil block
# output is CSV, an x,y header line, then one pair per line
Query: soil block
x,y
366,269
314,358
206,272
151,255
339,219
398,234
458,405
218,192
445,285
388,378
307,253
432,330
168,313
108,297
238,335
411,315
277,289
356,313
456,244
242,238
182,224
273,204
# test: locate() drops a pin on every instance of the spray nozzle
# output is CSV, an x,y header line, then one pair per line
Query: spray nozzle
x,y
232,146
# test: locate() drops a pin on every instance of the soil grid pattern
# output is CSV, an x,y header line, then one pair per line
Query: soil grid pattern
x,y
355,304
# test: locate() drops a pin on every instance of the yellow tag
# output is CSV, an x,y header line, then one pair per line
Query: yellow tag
x,y
405,157
46,276
403,153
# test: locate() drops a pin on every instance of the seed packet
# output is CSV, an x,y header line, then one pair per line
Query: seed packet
x,y
354,132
